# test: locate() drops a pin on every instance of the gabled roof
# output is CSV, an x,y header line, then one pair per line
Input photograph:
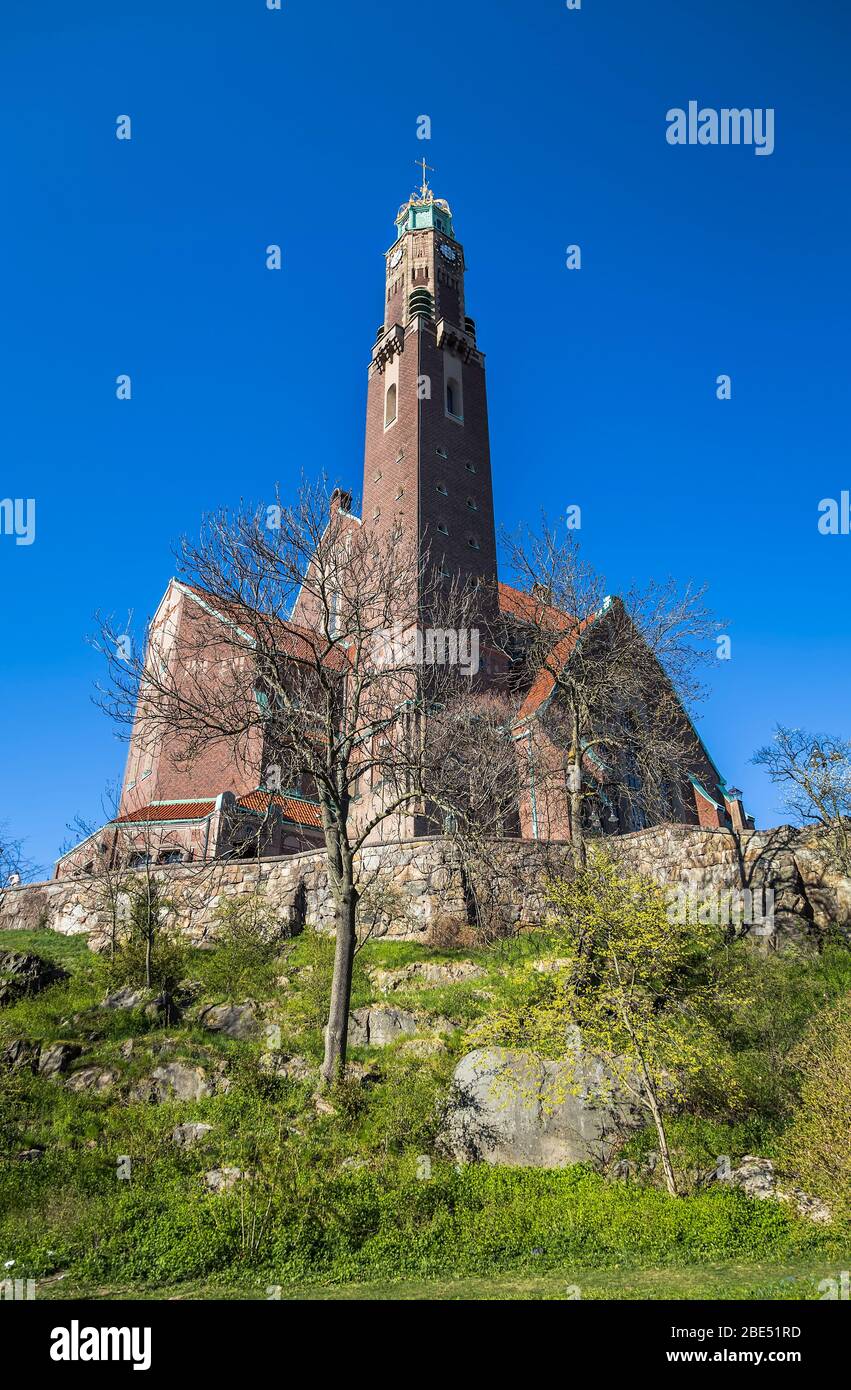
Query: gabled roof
x,y
529,608
294,808
699,787
289,638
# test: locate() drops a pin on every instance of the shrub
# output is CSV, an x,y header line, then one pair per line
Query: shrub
x,y
244,958
314,972
817,1146
148,952
451,933
167,963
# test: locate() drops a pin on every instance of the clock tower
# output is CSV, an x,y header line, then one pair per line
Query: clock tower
x,y
427,457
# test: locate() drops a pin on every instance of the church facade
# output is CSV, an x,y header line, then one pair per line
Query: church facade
x,y
427,467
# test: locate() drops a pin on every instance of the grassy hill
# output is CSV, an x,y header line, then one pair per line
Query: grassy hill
x,y
352,1191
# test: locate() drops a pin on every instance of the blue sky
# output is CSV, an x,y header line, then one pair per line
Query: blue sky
x,y
299,127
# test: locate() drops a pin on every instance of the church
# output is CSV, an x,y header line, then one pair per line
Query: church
x,y
426,465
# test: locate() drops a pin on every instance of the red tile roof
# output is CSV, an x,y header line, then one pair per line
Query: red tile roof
x,y
169,811
530,609
294,808
542,686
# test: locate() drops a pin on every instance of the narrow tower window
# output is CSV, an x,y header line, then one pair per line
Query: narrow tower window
x,y
390,406
454,399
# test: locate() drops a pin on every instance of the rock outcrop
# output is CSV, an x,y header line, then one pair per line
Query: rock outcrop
x,y
91,1079
376,1027
223,1179
57,1057
184,1136
175,1081
425,975
23,974
757,1178
516,1109
234,1020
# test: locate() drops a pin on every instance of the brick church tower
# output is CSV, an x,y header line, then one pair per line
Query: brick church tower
x,y
427,456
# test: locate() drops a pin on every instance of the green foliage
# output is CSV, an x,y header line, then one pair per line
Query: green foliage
x,y
643,992
147,952
365,1193
72,952
365,1223
405,1114
312,965
784,992
817,1147
168,962
246,953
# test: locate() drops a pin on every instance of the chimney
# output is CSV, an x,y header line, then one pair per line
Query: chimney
x,y
735,808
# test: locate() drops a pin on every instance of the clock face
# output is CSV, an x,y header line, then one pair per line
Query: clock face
x,y
396,258
448,252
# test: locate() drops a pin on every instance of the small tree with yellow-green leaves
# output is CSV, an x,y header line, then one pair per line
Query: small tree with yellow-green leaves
x,y
818,1143
643,993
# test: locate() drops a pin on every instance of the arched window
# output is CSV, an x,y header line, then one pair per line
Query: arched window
x,y
390,405
452,397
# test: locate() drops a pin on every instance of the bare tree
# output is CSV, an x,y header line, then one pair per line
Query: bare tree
x,y
624,673
308,652
119,856
473,754
94,849
15,865
814,771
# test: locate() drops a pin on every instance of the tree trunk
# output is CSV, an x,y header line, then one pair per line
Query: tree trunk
x,y
664,1152
341,986
651,1100
577,834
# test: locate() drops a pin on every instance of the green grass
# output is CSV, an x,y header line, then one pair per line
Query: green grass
x,y
379,1230
68,951
773,1283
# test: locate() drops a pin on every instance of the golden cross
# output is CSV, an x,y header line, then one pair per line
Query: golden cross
x,y
421,163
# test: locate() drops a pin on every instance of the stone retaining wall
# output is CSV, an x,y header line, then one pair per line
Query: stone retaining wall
x,y
809,897
418,881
